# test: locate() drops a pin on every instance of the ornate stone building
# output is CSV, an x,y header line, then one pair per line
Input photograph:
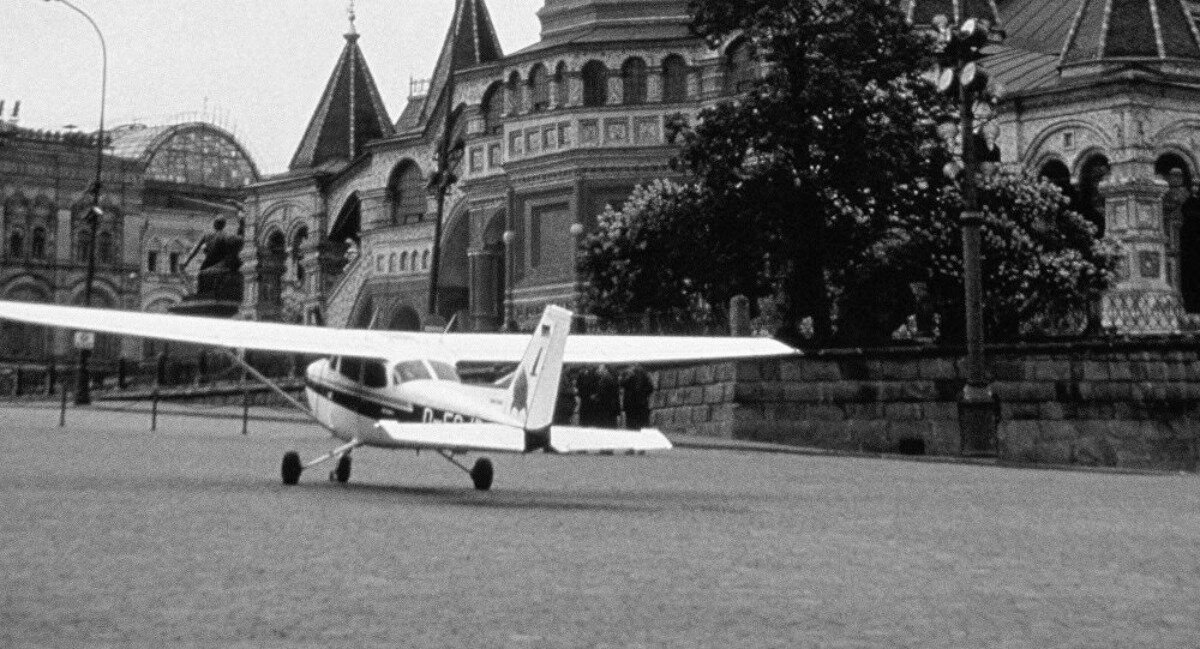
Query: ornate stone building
x,y
162,188
1100,95
1103,97
544,138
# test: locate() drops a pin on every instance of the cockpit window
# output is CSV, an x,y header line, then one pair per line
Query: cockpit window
x,y
368,371
444,371
374,374
411,371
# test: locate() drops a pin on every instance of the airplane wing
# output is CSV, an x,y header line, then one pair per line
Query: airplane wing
x,y
269,336
327,341
585,349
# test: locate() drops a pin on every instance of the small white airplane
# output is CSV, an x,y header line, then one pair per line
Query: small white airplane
x,y
401,390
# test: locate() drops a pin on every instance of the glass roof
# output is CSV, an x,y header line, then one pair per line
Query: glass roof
x,y
193,154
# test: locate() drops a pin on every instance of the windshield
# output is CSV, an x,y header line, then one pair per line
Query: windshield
x,y
410,371
444,371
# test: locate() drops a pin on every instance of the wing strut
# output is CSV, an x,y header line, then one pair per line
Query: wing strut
x,y
237,358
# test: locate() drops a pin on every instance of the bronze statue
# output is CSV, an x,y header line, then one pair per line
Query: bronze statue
x,y
219,277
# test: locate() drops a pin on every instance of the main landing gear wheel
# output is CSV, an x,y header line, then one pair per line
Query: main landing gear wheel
x,y
291,468
482,474
342,472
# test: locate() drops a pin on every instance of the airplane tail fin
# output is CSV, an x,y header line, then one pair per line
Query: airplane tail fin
x,y
534,388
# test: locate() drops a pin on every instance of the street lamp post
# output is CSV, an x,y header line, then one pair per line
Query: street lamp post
x,y
510,323
83,388
961,49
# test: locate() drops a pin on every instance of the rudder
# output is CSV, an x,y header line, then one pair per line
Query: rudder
x,y
534,388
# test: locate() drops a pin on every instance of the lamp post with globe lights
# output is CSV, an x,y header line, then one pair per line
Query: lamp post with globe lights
x,y
960,43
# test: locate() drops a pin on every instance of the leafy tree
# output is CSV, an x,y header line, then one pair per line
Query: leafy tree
x,y
824,187
843,116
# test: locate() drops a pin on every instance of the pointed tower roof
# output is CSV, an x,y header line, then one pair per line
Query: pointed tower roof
x,y
470,41
1112,34
350,113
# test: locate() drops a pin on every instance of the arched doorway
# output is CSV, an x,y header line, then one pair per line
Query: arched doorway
x,y
454,273
489,276
345,235
405,318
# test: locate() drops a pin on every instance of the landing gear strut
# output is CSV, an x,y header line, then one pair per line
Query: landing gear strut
x,y
291,468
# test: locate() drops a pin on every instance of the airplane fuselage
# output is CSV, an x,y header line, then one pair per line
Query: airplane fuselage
x,y
350,396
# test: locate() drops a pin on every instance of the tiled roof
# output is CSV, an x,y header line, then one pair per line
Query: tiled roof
x,y
349,114
1149,30
1038,25
470,41
1018,70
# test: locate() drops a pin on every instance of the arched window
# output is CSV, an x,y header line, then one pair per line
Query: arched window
x,y
37,245
104,247
741,68
404,261
392,263
425,260
1091,203
408,194
595,84
633,80
674,72
298,240
1056,172
493,109
515,97
539,88
562,87
16,244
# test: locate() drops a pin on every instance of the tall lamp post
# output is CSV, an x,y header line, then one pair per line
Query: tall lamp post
x,y
83,394
961,44
510,323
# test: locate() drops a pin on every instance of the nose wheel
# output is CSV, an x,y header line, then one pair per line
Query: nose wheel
x,y
482,474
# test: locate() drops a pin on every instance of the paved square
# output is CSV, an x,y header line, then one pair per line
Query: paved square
x,y
111,535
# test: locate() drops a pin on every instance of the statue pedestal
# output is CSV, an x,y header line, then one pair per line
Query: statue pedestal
x,y
218,295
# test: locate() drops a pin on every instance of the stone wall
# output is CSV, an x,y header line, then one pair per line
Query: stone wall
x,y
1127,403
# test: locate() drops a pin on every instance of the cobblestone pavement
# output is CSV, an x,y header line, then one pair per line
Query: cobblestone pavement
x,y
115,536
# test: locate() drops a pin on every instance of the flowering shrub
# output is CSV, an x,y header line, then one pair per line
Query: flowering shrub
x,y
1043,267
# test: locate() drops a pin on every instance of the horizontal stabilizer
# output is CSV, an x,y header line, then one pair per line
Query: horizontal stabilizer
x,y
496,438
575,439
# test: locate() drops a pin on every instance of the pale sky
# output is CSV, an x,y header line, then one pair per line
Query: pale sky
x,y
257,67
